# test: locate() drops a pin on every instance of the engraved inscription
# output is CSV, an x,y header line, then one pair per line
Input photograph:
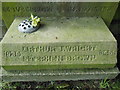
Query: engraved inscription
x,y
12,53
58,48
59,58
47,9
89,9
38,49
107,52
78,48
59,53
27,9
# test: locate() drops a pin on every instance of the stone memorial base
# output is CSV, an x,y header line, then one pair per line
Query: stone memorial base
x,y
50,75
62,49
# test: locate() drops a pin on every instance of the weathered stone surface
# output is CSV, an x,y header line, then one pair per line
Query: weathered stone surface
x,y
0,32
0,19
106,10
50,75
0,74
0,63
117,14
60,43
1,28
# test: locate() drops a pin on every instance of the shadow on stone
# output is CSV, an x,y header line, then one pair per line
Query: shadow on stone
x,y
115,29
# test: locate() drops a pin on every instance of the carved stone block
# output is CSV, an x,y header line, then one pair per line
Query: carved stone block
x,y
60,43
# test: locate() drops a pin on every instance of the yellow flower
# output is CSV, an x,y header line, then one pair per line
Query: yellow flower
x,y
35,20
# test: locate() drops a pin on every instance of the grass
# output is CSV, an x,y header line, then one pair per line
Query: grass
x,y
104,83
64,85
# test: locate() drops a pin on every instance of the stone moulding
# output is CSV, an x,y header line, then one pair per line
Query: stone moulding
x,y
48,75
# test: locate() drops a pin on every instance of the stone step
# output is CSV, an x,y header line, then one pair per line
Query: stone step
x,y
60,43
51,75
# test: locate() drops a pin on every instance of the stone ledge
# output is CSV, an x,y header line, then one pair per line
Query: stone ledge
x,y
48,75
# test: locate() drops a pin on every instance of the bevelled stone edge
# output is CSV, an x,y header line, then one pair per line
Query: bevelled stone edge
x,y
48,75
0,74
0,61
64,66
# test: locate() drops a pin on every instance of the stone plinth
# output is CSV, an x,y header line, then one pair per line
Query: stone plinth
x,y
60,43
58,74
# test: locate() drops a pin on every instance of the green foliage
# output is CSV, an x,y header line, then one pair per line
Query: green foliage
x,y
38,87
104,83
62,85
115,85
57,86
7,86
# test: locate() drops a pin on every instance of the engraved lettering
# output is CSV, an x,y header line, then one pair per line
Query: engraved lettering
x,y
12,53
77,48
57,49
38,49
106,52
58,58
58,54
70,9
